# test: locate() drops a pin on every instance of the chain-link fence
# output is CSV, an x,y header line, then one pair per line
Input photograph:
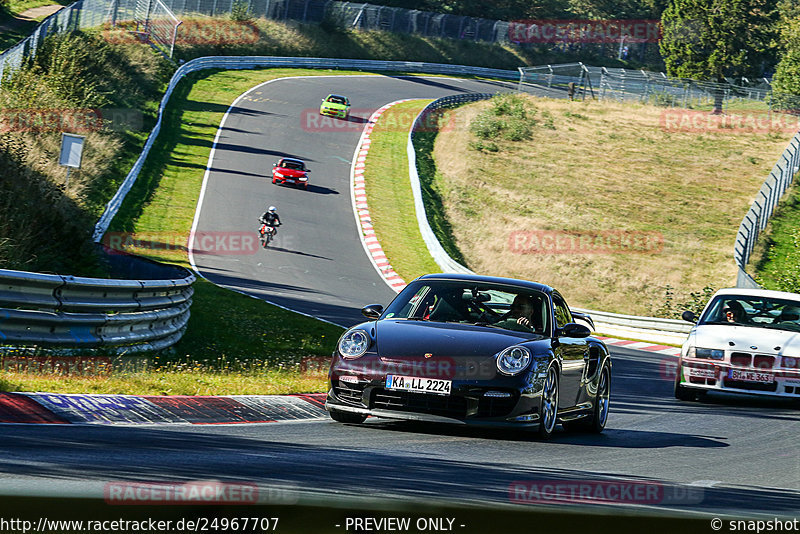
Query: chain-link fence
x,y
645,87
151,19
763,206
80,15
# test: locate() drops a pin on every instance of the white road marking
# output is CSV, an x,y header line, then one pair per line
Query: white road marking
x,y
704,483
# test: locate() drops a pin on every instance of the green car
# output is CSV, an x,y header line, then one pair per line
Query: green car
x,y
335,106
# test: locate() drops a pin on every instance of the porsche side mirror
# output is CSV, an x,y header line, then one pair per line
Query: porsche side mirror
x,y
574,330
372,311
689,317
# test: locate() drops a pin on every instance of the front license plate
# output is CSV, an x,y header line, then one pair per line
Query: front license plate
x,y
416,384
289,181
751,376
702,373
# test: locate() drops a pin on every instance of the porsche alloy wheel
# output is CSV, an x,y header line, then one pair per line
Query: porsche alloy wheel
x,y
548,412
596,422
602,401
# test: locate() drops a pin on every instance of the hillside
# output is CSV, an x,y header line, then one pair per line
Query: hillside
x,y
599,199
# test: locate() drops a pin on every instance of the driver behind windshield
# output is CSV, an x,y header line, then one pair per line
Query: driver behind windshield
x,y
733,312
520,316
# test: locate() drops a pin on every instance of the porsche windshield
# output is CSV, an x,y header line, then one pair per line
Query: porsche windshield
x,y
761,312
497,306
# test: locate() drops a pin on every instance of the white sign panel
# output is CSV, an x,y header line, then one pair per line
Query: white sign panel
x,y
71,150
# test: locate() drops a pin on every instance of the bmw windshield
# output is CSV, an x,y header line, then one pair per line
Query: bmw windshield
x,y
759,312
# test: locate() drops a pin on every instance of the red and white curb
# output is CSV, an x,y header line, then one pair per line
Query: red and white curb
x,y
641,345
367,232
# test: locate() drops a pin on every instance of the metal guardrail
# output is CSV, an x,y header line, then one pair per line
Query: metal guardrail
x,y
763,206
250,62
445,262
643,86
49,310
666,330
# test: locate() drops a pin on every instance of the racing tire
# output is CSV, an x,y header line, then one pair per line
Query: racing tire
x,y
548,409
347,417
683,393
596,422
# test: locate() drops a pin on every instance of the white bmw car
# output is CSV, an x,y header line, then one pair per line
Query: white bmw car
x,y
745,341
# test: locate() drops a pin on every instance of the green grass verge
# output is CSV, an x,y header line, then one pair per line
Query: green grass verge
x,y
389,196
170,380
777,257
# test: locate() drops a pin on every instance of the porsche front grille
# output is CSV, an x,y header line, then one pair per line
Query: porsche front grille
x,y
444,405
349,393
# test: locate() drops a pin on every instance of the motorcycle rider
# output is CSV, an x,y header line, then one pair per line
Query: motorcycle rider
x,y
271,219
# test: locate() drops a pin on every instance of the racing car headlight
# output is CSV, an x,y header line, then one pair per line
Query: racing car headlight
x,y
710,354
513,360
278,175
354,344
303,178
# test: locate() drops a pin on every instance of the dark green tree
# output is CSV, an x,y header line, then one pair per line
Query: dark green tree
x,y
712,39
787,73
497,9
618,9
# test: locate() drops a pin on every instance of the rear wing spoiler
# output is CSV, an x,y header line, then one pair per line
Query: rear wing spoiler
x,y
583,318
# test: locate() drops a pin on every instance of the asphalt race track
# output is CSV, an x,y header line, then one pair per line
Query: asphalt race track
x,y
732,455
317,264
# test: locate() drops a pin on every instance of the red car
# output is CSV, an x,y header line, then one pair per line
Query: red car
x,y
290,171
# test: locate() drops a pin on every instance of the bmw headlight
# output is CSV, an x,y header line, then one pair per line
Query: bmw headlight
x,y
278,175
354,344
513,360
710,354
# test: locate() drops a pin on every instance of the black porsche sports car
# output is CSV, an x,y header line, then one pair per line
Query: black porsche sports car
x,y
475,350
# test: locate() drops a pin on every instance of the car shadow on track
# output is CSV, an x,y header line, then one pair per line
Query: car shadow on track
x,y
279,249
318,189
611,437
356,119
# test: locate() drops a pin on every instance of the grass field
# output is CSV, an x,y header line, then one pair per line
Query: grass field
x,y
602,169
776,257
389,196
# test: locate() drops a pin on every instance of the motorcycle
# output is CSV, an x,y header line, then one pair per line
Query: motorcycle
x,y
266,233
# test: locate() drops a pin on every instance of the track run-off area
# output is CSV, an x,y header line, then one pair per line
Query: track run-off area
x,y
727,455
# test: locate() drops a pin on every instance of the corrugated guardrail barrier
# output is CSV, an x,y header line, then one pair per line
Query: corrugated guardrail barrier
x,y
50,310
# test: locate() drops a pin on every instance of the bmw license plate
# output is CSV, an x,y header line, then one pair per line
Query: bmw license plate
x,y
751,376
416,384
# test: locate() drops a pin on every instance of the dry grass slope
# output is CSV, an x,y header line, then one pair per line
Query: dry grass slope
x,y
606,167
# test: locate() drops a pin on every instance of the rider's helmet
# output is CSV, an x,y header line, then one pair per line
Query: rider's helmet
x,y
271,209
